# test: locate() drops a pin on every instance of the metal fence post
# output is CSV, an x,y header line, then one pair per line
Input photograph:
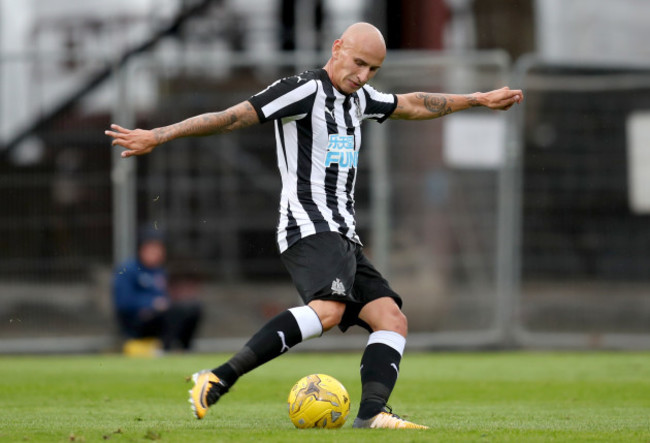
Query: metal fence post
x,y
509,217
123,176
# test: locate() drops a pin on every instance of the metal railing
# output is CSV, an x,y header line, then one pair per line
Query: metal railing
x,y
472,247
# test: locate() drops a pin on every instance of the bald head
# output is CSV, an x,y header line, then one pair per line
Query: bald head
x,y
356,57
367,34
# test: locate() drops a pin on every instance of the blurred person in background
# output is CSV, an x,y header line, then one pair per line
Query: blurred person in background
x,y
143,305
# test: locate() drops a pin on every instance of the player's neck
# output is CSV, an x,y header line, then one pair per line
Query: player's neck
x,y
329,69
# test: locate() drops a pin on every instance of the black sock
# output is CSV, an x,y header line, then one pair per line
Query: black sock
x,y
275,338
379,371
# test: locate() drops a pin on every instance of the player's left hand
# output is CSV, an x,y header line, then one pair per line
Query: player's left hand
x,y
134,141
502,99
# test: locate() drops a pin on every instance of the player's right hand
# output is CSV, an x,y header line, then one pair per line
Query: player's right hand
x,y
134,141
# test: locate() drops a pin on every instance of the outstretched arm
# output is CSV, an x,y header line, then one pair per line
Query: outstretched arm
x,y
424,105
142,141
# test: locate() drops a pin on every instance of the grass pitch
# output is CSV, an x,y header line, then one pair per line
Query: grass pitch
x,y
468,397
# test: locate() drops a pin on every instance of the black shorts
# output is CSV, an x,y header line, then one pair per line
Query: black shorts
x,y
329,266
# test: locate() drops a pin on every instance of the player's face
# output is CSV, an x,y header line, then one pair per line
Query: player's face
x,y
354,64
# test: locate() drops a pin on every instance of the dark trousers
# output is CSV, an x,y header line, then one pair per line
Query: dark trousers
x,y
175,327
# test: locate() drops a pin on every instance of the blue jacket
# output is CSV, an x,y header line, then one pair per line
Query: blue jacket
x,y
135,287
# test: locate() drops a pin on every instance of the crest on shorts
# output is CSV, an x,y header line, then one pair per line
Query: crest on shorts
x,y
337,287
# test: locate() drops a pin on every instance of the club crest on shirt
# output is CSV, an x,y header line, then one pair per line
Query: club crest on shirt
x,y
340,150
357,104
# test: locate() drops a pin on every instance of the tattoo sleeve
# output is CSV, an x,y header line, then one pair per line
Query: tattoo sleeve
x,y
472,100
238,116
425,105
436,104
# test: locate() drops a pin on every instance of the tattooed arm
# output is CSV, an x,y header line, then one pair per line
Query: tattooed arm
x,y
424,105
141,141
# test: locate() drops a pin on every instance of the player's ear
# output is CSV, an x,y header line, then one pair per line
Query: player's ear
x,y
336,48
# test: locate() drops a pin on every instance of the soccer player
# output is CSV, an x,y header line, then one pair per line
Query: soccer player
x,y
317,116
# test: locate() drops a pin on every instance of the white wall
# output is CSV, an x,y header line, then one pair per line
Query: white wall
x,y
593,30
26,90
15,18
28,26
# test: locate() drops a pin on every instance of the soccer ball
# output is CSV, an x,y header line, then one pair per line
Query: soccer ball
x,y
318,401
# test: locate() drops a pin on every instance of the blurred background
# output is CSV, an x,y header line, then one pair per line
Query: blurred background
x,y
529,228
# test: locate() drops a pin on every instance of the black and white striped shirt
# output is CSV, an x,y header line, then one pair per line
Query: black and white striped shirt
x,y
318,136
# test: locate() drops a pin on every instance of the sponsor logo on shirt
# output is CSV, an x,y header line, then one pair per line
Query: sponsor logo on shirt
x,y
340,150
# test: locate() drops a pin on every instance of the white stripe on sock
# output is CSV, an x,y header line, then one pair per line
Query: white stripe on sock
x,y
389,338
308,322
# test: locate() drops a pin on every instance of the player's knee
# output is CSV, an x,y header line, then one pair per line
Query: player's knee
x,y
329,312
396,321
388,318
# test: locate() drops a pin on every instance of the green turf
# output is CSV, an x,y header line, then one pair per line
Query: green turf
x,y
473,397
